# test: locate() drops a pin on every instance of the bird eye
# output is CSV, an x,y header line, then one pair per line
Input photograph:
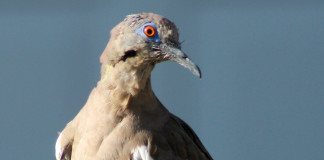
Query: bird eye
x,y
149,31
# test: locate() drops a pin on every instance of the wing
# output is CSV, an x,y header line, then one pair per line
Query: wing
x,y
191,134
62,150
63,146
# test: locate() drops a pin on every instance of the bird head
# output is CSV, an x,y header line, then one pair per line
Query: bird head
x,y
143,40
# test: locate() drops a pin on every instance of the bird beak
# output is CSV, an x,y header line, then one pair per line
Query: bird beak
x,y
176,55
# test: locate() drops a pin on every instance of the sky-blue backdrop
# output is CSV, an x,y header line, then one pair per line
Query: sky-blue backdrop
x,y
261,95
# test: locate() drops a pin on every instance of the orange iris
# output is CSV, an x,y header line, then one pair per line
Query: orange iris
x,y
149,31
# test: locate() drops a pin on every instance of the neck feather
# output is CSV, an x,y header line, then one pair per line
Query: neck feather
x,y
127,87
126,78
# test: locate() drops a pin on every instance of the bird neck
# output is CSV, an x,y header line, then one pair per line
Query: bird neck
x,y
126,78
128,88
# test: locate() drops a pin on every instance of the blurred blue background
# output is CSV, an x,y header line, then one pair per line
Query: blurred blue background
x,y
261,95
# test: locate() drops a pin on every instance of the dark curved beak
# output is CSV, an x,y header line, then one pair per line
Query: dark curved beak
x,y
176,55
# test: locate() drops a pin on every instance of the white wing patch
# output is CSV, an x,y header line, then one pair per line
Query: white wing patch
x,y
58,148
141,153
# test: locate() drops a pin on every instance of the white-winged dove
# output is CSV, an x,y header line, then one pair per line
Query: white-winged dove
x,y
123,119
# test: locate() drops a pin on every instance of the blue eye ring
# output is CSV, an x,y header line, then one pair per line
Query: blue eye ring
x,y
149,31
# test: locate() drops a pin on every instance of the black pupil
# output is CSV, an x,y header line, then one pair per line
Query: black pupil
x,y
149,31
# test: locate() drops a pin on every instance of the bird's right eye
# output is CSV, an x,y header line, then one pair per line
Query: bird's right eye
x,y
149,31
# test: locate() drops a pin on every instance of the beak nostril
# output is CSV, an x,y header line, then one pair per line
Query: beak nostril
x,y
175,54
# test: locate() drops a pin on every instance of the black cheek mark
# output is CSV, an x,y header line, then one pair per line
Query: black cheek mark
x,y
128,54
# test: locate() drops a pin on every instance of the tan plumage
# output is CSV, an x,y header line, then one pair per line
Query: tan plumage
x,y
122,113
